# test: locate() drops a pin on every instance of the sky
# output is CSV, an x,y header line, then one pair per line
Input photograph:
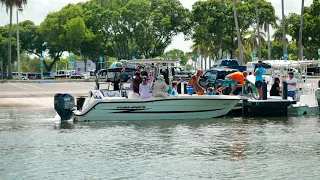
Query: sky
x,y
37,11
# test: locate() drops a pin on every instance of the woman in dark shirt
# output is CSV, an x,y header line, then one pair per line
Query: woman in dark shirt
x,y
136,82
275,89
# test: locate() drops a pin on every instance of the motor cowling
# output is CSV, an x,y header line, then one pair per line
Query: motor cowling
x,y
64,105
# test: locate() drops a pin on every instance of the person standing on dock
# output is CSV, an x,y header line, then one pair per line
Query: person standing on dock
x,y
259,71
292,83
233,79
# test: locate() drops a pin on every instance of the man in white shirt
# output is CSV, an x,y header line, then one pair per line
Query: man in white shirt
x,y
292,83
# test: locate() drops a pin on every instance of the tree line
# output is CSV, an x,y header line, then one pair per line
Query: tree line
x,y
145,28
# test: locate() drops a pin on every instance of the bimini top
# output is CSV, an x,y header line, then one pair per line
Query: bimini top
x,y
291,63
146,61
118,69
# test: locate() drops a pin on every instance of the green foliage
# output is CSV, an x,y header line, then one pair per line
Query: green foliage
x,y
176,54
188,67
142,28
311,32
4,40
120,29
62,31
109,61
214,28
30,39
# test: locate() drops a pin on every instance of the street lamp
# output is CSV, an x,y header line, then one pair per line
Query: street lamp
x,y
18,44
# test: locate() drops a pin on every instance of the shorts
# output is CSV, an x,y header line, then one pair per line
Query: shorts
x,y
190,89
228,81
258,84
292,94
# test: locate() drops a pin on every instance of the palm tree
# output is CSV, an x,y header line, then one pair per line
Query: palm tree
x,y
283,30
258,28
277,35
266,27
238,32
300,32
251,40
10,4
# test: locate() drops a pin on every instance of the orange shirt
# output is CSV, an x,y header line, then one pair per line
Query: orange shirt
x,y
237,76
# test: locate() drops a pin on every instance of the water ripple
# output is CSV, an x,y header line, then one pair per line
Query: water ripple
x,y
36,146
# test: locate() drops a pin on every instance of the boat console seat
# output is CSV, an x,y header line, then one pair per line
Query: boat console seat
x,y
132,95
109,93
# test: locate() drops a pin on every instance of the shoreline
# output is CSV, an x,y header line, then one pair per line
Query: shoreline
x,y
39,102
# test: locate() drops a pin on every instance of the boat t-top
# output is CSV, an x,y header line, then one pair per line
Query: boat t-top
x,y
106,104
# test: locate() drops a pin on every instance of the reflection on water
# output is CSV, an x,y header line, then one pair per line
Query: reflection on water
x,y
35,145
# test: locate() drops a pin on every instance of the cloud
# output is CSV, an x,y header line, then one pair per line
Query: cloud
x,y
35,10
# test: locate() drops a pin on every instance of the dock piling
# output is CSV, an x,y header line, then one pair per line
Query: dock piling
x,y
264,91
284,90
243,103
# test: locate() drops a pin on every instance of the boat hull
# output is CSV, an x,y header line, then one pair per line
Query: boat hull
x,y
173,108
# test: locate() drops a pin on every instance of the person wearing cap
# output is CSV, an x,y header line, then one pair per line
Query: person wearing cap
x,y
259,71
233,79
144,89
160,88
193,84
292,83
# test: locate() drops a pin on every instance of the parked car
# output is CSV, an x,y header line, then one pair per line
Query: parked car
x,y
229,63
215,78
92,72
34,75
77,76
48,75
64,73
24,76
181,70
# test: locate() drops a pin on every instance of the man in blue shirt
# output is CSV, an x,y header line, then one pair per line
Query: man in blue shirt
x,y
259,73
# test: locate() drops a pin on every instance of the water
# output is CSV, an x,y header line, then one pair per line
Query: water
x,y
34,145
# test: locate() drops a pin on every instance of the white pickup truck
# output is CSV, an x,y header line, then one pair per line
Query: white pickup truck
x,y
252,65
64,74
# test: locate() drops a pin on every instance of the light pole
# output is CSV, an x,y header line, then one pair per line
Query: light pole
x,y
18,44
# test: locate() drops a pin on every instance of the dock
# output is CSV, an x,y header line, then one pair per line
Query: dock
x,y
261,108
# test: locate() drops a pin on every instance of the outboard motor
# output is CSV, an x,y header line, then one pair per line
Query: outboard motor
x,y
64,104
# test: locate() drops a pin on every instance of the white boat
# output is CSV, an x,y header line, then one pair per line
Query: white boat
x,y
109,105
183,107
